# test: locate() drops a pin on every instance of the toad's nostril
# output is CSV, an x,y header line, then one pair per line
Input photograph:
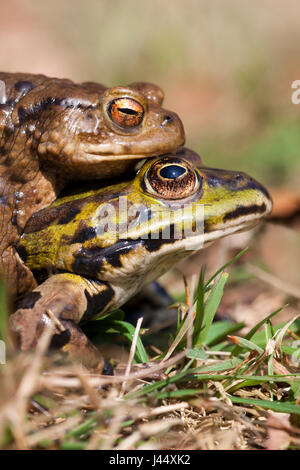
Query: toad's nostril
x,y
167,119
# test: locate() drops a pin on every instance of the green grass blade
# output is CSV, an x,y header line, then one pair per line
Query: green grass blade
x,y
210,308
198,353
220,365
127,330
84,428
260,338
219,331
245,343
237,350
73,445
198,323
281,407
269,334
179,393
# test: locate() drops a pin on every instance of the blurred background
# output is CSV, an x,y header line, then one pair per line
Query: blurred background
x,y
226,69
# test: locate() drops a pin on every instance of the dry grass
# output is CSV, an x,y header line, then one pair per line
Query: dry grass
x,y
78,415
202,397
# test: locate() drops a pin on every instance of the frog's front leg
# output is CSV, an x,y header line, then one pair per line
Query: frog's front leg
x,y
63,301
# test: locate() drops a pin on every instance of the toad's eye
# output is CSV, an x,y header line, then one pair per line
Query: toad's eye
x,y
126,112
172,178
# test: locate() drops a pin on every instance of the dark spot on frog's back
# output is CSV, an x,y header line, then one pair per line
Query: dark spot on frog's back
x,y
84,234
67,213
90,261
42,219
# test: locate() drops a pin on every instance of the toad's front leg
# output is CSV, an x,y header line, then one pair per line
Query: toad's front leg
x,y
63,301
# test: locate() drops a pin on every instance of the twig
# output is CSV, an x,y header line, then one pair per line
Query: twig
x,y
131,354
98,381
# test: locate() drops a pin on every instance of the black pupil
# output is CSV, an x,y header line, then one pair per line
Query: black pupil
x,y
172,171
127,111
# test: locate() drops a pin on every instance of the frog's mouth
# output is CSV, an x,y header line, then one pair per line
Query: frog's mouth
x,y
211,231
241,218
226,230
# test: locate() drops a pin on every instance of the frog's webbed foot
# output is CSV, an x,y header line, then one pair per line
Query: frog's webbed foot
x,y
62,301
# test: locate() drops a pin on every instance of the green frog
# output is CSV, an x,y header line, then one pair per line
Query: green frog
x,y
53,131
100,248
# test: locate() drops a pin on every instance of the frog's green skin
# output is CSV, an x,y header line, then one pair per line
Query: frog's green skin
x,y
53,130
96,269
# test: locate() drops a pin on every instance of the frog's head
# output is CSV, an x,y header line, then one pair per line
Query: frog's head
x,y
169,211
193,205
88,131
134,231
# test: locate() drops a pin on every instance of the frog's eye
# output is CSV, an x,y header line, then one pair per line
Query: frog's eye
x,y
126,112
172,172
172,179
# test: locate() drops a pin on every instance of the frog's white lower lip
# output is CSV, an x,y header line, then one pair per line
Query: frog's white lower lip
x,y
240,224
230,230
203,240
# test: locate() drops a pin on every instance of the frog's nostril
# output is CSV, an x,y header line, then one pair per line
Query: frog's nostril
x,y
167,119
239,177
